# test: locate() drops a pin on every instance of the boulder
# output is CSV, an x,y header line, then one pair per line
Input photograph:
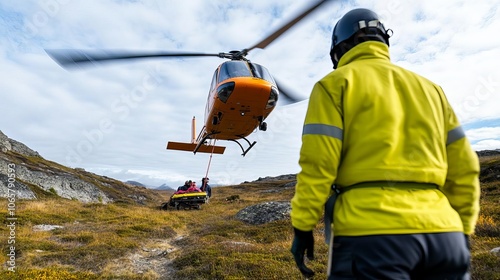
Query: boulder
x,y
265,212
495,251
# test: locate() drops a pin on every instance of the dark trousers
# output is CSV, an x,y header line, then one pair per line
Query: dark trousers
x,y
404,256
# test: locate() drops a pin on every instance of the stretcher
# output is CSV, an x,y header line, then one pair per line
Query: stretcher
x,y
186,200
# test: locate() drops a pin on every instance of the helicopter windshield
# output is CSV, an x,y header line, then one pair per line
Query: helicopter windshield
x,y
261,72
233,69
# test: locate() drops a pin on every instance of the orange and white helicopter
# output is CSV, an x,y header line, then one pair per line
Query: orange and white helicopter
x,y
242,93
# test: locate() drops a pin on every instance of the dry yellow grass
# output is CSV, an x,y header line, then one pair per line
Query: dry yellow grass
x,y
126,241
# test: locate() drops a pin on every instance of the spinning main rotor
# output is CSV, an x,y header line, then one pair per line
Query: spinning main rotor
x,y
68,58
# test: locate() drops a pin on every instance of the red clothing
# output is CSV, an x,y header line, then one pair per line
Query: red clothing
x,y
193,189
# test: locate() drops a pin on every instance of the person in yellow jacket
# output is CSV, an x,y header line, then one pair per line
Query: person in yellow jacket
x,y
388,146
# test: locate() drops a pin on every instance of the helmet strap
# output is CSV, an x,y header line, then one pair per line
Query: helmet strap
x,y
339,51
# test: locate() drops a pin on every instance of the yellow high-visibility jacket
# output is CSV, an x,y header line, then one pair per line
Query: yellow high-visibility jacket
x,y
373,121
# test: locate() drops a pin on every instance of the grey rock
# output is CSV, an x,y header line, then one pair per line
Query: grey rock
x,y
281,188
238,245
277,178
46,227
289,185
140,199
495,251
17,188
7,144
61,183
265,212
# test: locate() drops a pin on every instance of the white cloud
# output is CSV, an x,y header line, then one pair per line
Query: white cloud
x,y
486,145
483,133
60,113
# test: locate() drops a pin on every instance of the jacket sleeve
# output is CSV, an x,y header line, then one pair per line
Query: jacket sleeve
x,y
462,181
319,157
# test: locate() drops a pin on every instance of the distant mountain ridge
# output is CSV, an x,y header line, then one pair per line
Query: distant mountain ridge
x,y
29,176
485,153
135,183
164,187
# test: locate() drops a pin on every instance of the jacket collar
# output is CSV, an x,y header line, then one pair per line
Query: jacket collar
x,y
365,50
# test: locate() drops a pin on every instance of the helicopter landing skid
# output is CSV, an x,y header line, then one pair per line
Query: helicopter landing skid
x,y
250,145
245,151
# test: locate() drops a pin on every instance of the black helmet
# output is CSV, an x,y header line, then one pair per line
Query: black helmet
x,y
351,23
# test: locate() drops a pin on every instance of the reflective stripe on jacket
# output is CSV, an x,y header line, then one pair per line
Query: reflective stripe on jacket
x,y
372,121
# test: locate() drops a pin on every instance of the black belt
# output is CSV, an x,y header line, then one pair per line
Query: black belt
x,y
330,203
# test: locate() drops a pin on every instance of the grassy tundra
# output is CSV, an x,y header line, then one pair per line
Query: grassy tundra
x,y
128,241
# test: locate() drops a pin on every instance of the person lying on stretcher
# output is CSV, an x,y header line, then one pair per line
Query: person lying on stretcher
x,y
191,188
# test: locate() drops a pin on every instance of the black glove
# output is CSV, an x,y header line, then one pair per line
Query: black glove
x,y
467,241
302,242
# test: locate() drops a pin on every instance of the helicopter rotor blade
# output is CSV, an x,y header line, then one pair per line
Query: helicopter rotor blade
x,y
69,58
72,58
269,39
289,97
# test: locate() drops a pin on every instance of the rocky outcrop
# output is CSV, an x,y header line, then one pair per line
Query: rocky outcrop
x,y
21,190
58,182
277,178
265,212
28,175
7,144
487,153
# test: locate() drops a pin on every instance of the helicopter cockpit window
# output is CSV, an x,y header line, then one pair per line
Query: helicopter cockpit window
x,y
261,72
214,81
233,69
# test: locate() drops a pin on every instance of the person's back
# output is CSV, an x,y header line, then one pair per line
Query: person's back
x,y
393,118
406,144
405,177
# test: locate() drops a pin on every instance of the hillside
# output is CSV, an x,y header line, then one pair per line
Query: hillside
x,y
34,177
244,231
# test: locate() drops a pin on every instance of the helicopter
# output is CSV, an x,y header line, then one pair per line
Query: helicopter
x,y
242,93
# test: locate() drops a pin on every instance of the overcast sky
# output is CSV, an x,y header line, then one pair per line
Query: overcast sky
x,y
116,119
